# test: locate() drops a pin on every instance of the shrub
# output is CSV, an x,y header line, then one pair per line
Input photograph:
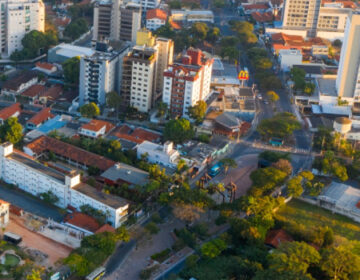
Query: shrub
x,y
156,218
161,256
152,228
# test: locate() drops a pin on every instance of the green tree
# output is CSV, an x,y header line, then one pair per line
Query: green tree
x,y
283,165
114,101
230,52
71,69
198,111
191,261
76,28
11,131
263,63
340,263
162,109
213,248
122,234
273,96
273,157
294,256
78,264
266,179
294,186
35,274
228,163
199,30
328,237
178,131
89,110
281,125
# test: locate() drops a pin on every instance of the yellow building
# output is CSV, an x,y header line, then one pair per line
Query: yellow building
x,y
145,38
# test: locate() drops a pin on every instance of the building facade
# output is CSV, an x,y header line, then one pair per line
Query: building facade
x,y
312,18
35,178
100,73
142,77
187,82
19,17
155,18
348,77
161,154
114,20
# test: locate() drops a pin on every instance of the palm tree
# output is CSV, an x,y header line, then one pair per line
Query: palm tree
x,y
228,162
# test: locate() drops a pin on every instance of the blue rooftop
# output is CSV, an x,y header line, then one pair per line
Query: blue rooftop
x,y
52,124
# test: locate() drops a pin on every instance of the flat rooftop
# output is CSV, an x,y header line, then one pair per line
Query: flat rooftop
x,y
327,86
128,173
110,200
38,166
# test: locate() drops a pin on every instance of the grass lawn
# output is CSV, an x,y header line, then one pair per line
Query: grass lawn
x,y
312,217
11,260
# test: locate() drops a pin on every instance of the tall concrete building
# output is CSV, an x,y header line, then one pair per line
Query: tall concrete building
x,y
114,20
348,78
19,17
187,82
143,69
100,73
311,18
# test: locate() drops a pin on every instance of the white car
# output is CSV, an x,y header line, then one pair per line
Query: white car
x,y
259,96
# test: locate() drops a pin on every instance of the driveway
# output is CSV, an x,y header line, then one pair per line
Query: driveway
x,y
30,204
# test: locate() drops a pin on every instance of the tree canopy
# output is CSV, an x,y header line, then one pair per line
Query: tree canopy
x,y
11,131
71,69
89,110
198,111
76,28
281,125
273,96
178,131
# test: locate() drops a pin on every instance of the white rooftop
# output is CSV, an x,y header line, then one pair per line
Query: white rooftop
x,y
343,196
68,50
290,52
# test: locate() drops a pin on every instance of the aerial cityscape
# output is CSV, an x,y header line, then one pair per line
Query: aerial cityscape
x,y
180,139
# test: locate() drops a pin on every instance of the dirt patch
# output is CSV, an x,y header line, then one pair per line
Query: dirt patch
x,y
52,249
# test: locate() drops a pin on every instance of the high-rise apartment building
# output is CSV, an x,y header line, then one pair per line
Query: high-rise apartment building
x,y
312,18
187,82
116,21
130,21
19,17
143,68
348,78
100,73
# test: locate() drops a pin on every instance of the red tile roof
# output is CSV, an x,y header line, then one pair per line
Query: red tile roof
x,y
3,202
96,125
45,65
175,25
10,111
53,92
276,237
83,221
123,129
262,17
45,143
14,83
255,7
145,135
128,137
105,228
40,117
34,90
156,13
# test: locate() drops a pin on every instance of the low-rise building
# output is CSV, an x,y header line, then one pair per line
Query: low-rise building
x,y
72,154
35,178
20,83
39,118
289,58
155,18
45,67
13,110
33,92
160,154
122,173
191,16
95,128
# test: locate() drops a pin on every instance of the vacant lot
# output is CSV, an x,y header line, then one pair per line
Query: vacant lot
x,y
312,217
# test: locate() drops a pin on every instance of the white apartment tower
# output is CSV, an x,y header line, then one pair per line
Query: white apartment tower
x,y
312,18
19,17
348,78
100,74
187,82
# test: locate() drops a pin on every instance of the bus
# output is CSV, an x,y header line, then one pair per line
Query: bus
x,y
12,238
215,169
96,274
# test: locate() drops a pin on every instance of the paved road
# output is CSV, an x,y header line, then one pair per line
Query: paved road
x,y
30,204
119,256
